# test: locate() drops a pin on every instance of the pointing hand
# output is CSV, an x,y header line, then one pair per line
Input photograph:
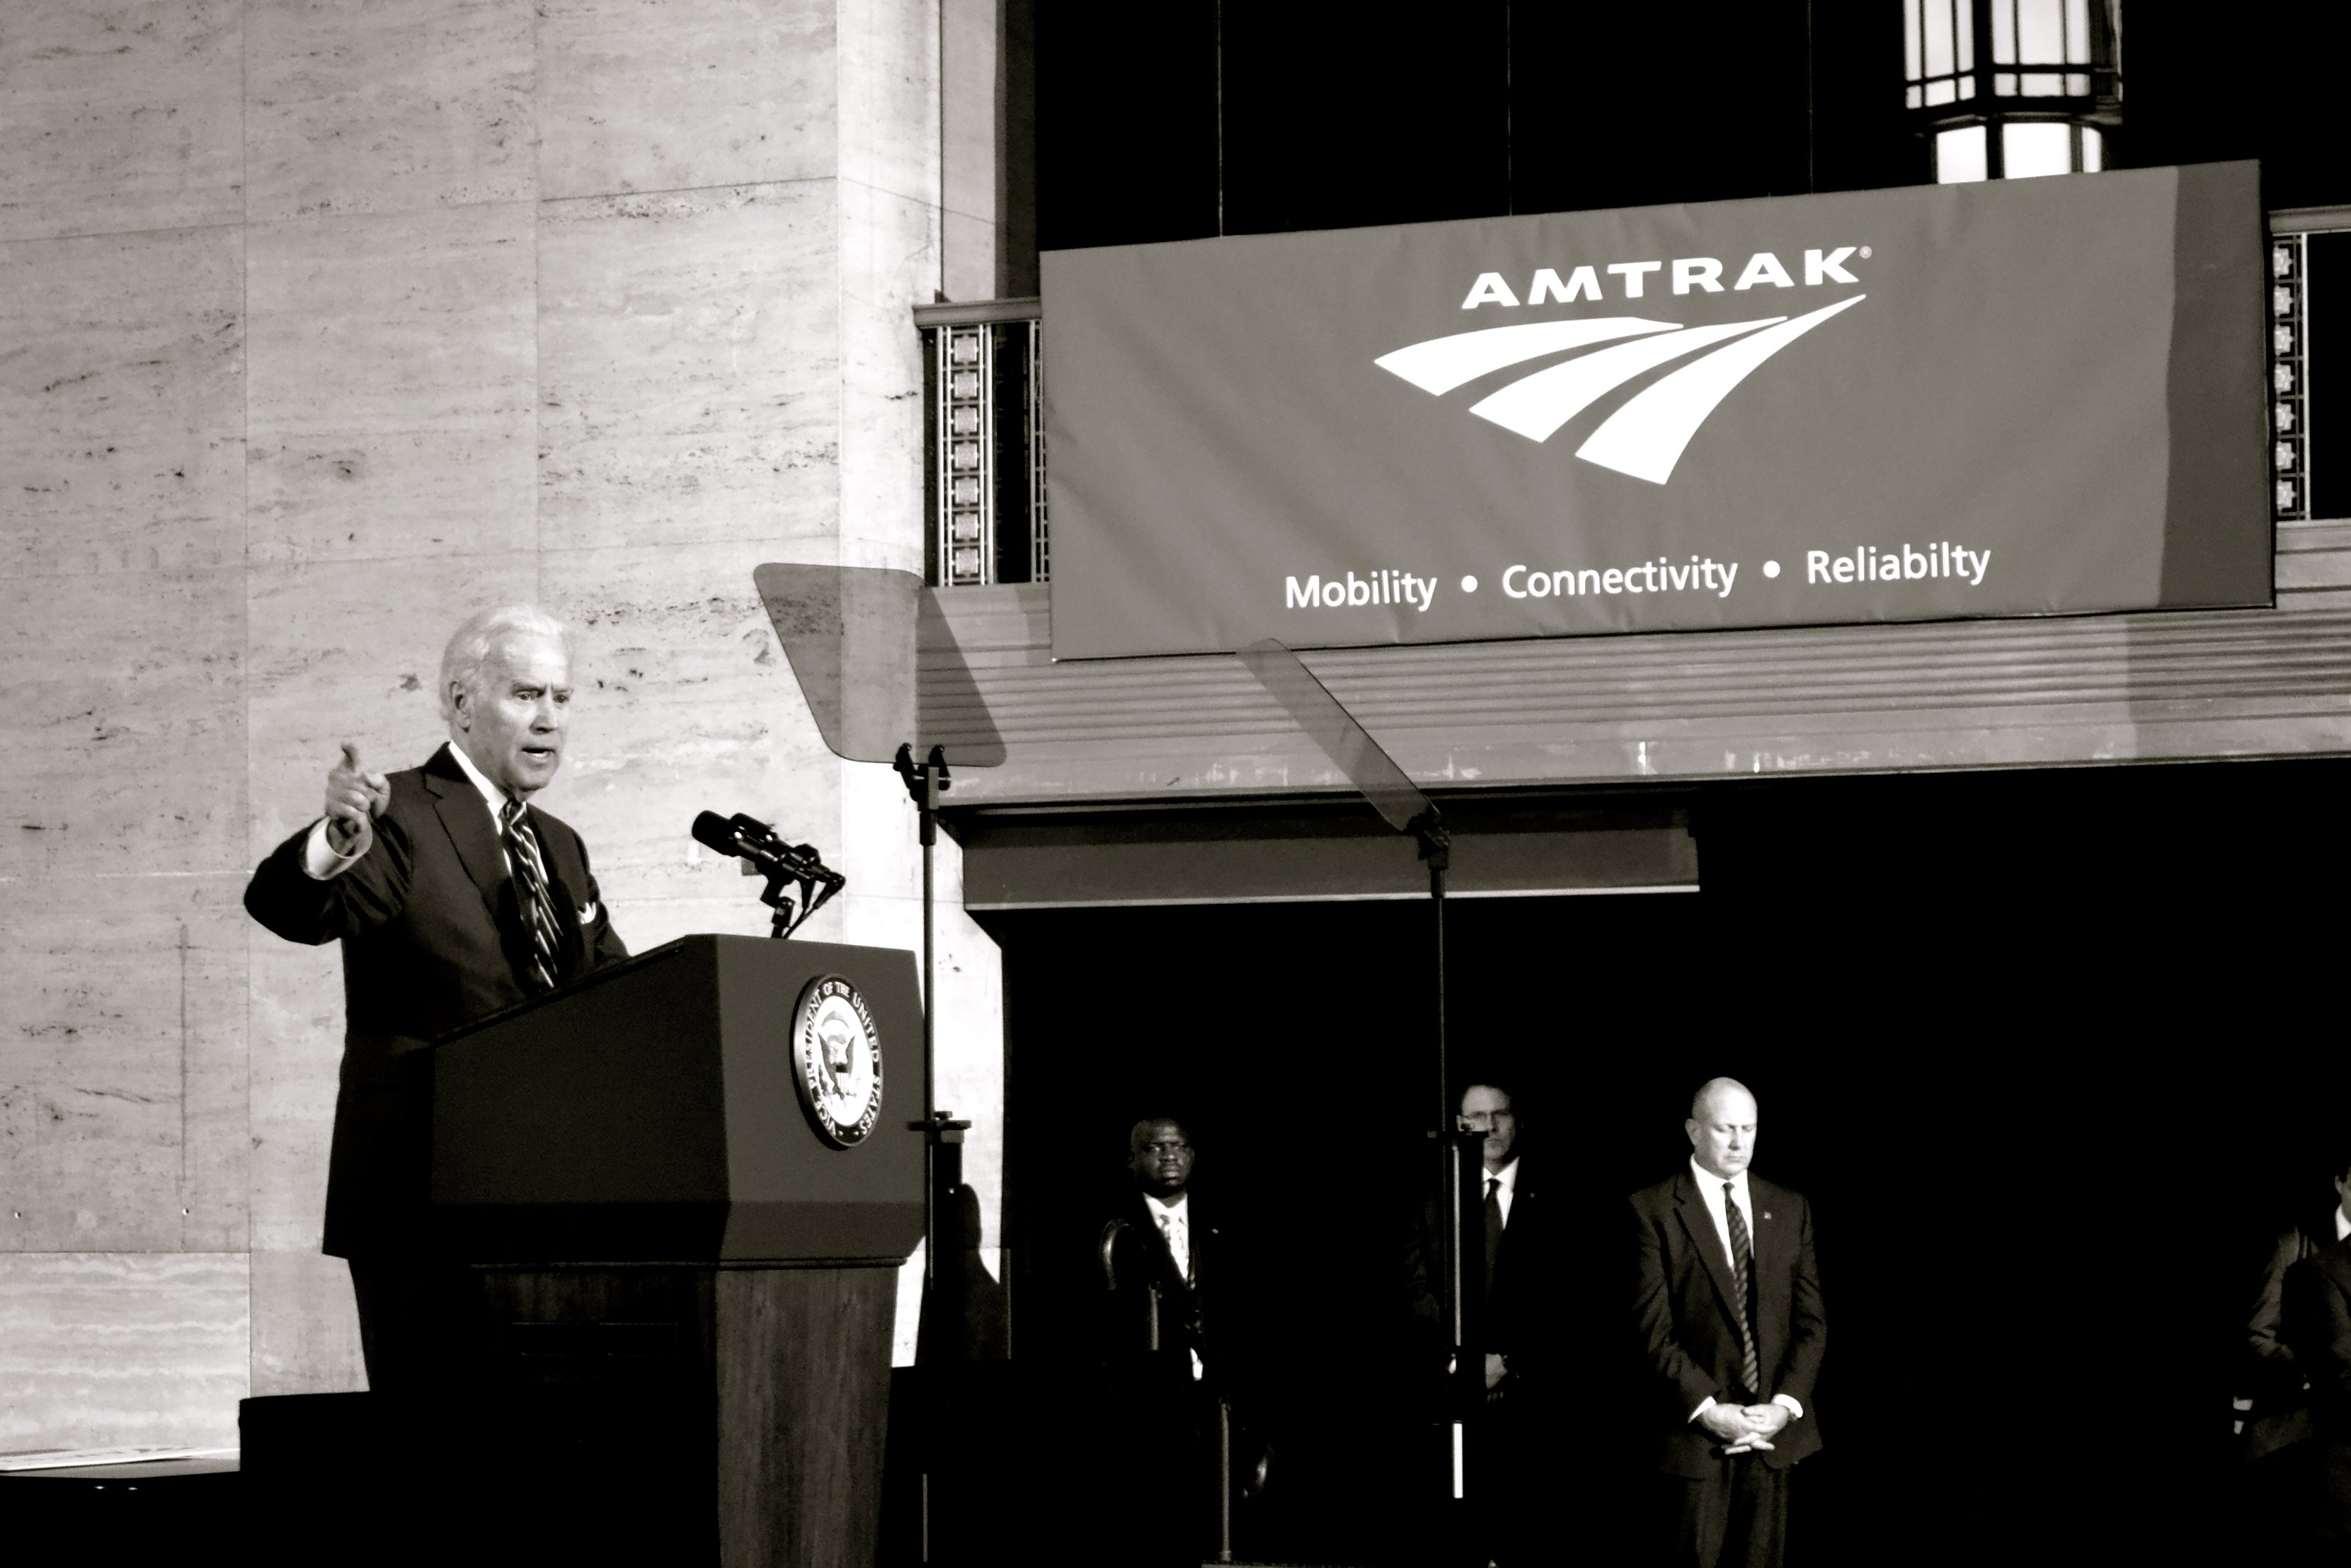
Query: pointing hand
x,y
355,797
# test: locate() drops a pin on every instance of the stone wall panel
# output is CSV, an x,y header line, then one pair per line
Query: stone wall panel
x,y
122,115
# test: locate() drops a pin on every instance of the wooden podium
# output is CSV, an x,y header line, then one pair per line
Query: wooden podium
x,y
674,1245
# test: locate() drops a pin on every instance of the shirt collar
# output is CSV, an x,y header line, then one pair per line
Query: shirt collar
x,y
492,796
1711,1184
1180,1209
2342,1225
1507,1178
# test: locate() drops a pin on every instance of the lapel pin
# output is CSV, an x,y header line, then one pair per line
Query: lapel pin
x,y
1766,1214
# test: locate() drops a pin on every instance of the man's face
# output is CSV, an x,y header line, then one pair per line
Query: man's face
x,y
1162,1161
1486,1109
1722,1134
511,724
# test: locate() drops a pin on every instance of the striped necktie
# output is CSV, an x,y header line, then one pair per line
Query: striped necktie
x,y
1179,1242
537,903
1742,1278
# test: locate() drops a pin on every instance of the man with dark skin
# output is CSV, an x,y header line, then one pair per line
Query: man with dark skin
x,y
1151,1253
1164,1346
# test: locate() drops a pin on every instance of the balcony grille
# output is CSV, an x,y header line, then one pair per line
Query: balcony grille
x,y
985,408
2289,378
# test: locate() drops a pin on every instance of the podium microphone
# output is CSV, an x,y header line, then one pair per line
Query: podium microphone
x,y
748,838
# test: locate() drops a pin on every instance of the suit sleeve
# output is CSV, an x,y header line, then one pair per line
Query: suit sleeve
x,y
2316,1321
1671,1369
1808,1323
2272,1357
285,898
604,944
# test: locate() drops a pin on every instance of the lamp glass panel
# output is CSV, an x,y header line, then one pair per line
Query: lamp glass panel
x,y
1910,71
1939,91
2044,84
2003,84
1938,37
1959,155
2077,85
2003,32
2040,31
2030,148
2093,149
1965,11
2077,32
1913,97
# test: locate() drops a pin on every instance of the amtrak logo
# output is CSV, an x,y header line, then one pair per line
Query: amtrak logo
x,y
837,1061
1647,435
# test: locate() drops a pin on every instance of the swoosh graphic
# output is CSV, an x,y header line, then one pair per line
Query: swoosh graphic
x,y
1537,405
1645,437
1440,364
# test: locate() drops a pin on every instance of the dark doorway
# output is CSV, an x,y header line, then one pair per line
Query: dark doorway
x,y
2050,1053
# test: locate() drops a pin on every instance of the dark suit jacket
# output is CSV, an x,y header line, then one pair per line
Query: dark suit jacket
x,y
1688,1327
2271,1377
432,939
2316,1322
1522,1307
1139,1261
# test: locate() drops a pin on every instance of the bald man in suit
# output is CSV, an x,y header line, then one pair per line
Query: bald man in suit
x,y
1727,1308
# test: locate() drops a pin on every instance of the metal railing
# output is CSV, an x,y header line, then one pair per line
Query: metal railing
x,y
985,416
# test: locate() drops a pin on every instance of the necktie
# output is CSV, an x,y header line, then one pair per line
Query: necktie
x,y
1179,1242
538,905
1493,1230
1742,1278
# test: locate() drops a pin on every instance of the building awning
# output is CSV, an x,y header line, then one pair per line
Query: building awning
x,y
1304,853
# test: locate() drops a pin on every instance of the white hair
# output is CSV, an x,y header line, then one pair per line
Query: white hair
x,y
469,647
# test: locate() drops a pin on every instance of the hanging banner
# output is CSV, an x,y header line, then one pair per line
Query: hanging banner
x,y
2029,397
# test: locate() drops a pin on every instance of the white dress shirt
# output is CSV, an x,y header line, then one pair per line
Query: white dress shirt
x,y
1504,1185
319,859
1709,1187
2342,1223
1174,1222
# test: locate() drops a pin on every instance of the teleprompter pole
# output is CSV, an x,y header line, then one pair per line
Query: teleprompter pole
x,y
1406,808
940,1331
943,1155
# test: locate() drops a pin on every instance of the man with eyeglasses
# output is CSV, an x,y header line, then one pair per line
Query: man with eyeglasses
x,y
1507,1259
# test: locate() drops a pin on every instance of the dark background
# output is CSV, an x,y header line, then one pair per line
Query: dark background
x,y
1340,116
2050,1051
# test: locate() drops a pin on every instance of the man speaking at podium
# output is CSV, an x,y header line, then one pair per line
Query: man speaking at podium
x,y
452,897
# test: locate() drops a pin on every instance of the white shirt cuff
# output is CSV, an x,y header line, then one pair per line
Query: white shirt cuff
x,y
1785,1401
319,861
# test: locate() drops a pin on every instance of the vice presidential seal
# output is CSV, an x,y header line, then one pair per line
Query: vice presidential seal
x,y
837,1060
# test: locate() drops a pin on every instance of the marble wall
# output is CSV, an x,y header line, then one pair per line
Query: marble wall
x,y
323,322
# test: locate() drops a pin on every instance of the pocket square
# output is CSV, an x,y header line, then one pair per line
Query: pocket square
x,y
588,913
